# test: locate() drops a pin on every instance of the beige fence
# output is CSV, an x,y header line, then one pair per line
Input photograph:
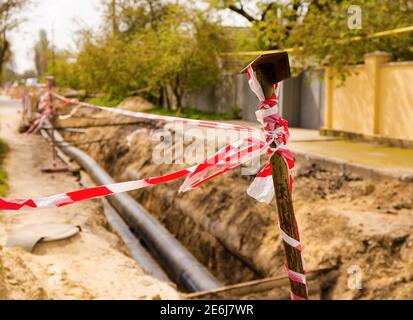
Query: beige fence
x,y
376,100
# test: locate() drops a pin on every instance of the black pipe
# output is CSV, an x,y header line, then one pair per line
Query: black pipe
x,y
177,261
135,248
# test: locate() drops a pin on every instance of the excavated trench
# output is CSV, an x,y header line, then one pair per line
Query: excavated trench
x,y
347,223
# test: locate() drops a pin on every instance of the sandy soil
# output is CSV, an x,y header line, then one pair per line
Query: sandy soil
x,y
361,228
91,265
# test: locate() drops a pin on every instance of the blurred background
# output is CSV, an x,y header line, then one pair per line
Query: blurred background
x,y
349,104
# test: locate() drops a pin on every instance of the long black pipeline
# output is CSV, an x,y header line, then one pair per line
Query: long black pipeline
x,y
178,262
135,248
142,257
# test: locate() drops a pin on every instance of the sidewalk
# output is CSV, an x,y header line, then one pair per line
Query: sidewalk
x,y
366,158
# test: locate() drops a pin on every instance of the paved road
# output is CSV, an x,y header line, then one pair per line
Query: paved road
x,y
6,102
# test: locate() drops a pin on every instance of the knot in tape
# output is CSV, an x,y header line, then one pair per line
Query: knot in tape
x,y
46,106
274,126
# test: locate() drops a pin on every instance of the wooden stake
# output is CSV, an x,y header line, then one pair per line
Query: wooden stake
x,y
50,84
52,121
285,208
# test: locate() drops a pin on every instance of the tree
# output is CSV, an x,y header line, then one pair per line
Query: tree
x,y
320,29
187,54
107,64
159,47
9,20
43,53
132,16
64,69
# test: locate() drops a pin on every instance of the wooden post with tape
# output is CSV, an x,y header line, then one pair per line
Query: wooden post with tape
x,y
50,85
272,69
53,120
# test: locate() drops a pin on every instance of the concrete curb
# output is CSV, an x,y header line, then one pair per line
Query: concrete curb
x,y
361,137
353,168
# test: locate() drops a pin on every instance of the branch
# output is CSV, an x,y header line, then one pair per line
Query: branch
x,y
4,51
267,9
242,12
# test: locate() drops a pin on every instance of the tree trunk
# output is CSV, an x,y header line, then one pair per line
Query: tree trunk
x,y
161,99
178,91
114,18
167,98
4,52
178,103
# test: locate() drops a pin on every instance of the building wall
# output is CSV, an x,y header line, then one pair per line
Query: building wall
x,y
246,99
290,101
311,104
301,99
352,103
376,100
231,91
396,96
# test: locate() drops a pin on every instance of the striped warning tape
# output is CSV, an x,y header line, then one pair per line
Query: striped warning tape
x,y
149,116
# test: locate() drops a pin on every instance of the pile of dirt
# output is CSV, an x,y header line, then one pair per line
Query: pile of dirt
x,y
136,104
42,276
16,279
359,227
91,265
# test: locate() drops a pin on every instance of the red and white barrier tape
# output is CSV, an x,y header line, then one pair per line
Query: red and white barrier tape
x,y
228,158
224,160
276,132
148,116
76,107
47,110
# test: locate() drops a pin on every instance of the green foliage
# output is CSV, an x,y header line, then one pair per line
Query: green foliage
x,y
107,65
192,113
236,112
10,18
58,63
64,69
320,28
43,53
3,174
105,101
159,49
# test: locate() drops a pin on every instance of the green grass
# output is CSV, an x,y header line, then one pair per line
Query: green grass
x,y
192,113
3,174
187,112
104,102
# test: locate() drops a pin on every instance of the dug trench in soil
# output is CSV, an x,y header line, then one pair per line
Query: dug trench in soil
x,y
94,264
359,227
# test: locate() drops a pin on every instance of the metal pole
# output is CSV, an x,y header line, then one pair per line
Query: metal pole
x,y
285,208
